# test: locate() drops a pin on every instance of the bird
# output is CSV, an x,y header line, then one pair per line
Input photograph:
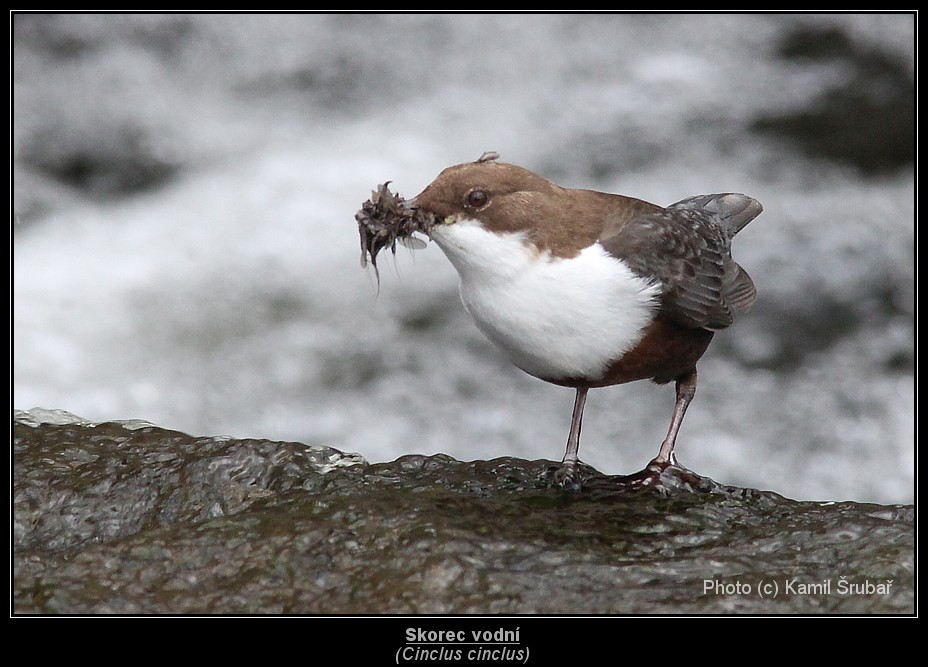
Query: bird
x,y
586,289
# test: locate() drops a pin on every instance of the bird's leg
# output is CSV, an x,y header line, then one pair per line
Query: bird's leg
x,y
568,475
686,389
572,454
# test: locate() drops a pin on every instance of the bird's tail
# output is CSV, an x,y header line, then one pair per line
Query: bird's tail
x,y
734,210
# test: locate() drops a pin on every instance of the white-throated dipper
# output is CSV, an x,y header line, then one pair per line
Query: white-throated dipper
x,y
587,289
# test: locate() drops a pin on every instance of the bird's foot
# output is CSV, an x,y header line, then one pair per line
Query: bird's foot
x,y
659,464
568,476
663,476
659,476
651,474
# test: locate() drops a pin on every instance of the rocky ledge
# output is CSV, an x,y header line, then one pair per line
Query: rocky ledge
x,y
130,518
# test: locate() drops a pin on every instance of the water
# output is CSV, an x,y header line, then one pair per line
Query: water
x,y
185,250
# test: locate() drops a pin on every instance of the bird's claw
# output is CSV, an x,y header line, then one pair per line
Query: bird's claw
x,y
568,477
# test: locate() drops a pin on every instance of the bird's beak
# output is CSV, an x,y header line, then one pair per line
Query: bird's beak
x,y
412,205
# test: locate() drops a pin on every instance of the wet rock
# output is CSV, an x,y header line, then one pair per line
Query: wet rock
x,y
131,518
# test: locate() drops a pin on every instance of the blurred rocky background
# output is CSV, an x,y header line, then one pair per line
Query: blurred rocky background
x,y
185,250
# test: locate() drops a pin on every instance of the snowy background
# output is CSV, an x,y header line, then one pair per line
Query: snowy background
x,y
185,250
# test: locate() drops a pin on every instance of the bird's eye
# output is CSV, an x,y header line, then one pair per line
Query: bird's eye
x,y
478,198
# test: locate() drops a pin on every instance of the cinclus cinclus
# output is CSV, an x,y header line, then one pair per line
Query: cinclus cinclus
x,y
587,289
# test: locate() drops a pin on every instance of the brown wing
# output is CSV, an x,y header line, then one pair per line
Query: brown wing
x,y
686,248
